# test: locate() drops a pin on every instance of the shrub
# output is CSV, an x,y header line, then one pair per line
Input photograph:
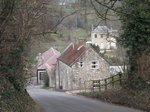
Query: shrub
x,y
46,80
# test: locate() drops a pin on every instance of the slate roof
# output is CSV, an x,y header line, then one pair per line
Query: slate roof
x,y
101,28
50,58
105,28
72,52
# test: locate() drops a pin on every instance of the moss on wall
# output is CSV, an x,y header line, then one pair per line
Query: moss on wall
x,y
13,101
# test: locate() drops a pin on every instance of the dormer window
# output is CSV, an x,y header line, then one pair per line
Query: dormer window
x,y
95,35
95,64
80,64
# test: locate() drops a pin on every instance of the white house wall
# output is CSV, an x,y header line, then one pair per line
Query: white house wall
x,y
104,42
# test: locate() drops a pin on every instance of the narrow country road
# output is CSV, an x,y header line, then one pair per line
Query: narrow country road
x,y
52,101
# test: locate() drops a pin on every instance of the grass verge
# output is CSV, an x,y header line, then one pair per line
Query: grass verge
x,y
135,99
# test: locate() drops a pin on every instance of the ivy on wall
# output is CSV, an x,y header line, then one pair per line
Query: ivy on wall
x,y
135,19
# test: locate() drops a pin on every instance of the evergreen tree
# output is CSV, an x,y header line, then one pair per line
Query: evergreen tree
x,y
135,19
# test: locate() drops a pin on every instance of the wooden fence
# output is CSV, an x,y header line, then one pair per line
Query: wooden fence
x,y
113,82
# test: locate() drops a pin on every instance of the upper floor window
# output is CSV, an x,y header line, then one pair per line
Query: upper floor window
x,y
107,35
95,35
80,64
95,64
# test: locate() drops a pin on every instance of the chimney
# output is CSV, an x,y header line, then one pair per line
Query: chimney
x,y
111,28
92,28
73,46
81,41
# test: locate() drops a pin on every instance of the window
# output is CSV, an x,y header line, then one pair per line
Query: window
x,y
94,64
101,35
42,75
107,35
95,35
80,64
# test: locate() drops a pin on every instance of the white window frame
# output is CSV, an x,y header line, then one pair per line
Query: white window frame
x,y
80,64
96,64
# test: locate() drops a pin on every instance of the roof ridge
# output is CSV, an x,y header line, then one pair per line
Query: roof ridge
x,y
53,51
67,47
70,54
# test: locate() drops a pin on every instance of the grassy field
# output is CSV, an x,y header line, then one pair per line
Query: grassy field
x,y
58,43
80,33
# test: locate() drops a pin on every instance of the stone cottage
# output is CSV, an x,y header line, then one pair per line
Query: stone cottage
x,y
47,64
104,37
78,64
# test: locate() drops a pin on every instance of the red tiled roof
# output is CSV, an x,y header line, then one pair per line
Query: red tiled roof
x,y
50,58
49,53
72,53
50,67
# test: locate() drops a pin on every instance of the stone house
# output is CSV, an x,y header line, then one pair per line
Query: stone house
x,y
78,64
47,64
104,37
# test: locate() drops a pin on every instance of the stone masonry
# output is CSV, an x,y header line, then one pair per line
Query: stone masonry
x,y
88,66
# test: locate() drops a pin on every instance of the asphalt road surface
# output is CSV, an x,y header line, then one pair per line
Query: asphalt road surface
x,y
52,101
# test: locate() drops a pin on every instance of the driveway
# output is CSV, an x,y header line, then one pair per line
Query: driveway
x,y
52,101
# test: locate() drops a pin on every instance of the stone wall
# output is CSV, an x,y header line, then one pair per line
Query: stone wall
x,y
51,75
86,72
63,76
73,77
